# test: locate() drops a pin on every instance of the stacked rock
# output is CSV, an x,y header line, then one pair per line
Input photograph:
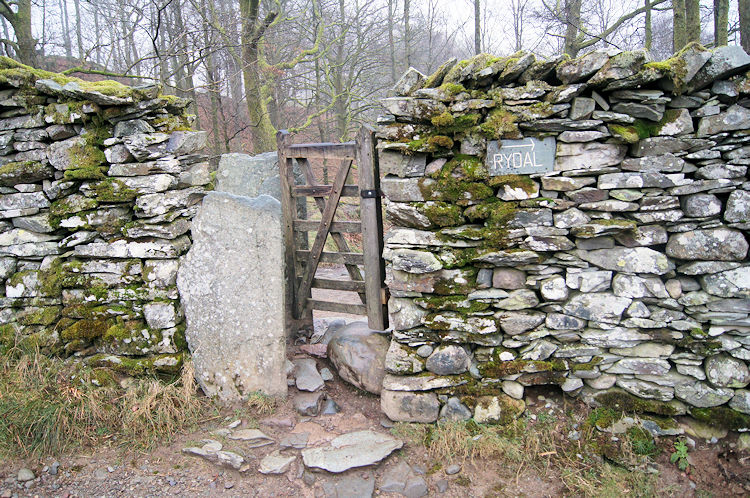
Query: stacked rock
x,y
620,274
99,182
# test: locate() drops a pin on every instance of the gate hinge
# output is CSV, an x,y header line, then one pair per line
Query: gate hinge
x,y
369,194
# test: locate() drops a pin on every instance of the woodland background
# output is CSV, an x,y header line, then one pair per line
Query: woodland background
x,y
319,67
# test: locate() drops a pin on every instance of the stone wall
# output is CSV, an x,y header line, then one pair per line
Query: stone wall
x,y
621,275
98,184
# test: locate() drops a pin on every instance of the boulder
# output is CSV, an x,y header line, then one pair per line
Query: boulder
x,y
358,353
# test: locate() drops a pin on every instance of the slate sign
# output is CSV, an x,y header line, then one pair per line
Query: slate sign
x,y
521,157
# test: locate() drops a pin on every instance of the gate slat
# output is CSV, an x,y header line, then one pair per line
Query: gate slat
x,y
320,238
323,190
336,226
342,285
353,309
346,151
342,258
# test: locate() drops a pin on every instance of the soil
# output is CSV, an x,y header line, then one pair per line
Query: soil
x,y
716,469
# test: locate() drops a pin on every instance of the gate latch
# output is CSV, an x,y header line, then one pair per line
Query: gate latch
x,y
369,194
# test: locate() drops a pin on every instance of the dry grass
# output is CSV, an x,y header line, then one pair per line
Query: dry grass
x,y
261,404
540,446
49,406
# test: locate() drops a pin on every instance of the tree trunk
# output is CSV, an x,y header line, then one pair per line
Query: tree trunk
x,y
79,38
391,46
98,50
693,20
647,26
477,30
66,29
407,36
572,26
264,134
338,77
21,22
721,21
679,28
744,11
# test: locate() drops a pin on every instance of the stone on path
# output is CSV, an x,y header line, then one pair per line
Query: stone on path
x,y
25,475
306,375
235,330
253,438
355,449
350,486
308,404
276,463
358,353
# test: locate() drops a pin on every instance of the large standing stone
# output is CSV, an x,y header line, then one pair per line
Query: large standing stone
x,y
358,353
722,244
234,297
245,175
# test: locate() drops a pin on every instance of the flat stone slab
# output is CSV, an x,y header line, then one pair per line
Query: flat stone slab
x,y
231,285
355,449
252,437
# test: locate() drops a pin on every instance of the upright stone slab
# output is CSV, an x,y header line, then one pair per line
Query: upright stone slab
x,y
249,176
231,284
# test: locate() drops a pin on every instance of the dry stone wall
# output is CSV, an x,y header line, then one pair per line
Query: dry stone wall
x,y
98,184
621,274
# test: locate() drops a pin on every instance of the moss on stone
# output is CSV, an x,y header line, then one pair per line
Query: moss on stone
x,y
85,173
21,172
620,400
452,89
451,303
167,363
497,369
85,329
500,123
515,181
443,214
437,142
464,167
113,190
675,67
722,416
453,190
628,134
461,286
442,120
46,315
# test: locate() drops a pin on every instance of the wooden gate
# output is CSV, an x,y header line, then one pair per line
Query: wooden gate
x,y
365,269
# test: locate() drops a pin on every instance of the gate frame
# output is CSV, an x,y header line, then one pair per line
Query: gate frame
x,y
298,288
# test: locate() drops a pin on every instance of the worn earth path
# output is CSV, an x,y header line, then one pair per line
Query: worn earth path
x,y
169,470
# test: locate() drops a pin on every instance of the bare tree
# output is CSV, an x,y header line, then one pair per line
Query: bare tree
x,y
743,7
20,19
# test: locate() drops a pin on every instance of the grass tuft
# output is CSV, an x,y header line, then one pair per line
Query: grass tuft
x,y
49,406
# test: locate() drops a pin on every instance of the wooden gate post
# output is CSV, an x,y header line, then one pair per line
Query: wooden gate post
x,y
372,229
294,321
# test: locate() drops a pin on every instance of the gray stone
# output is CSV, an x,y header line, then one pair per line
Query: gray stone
x,y
554,289
355,449
559,321
415,487
702,395
629,260
644,389
403,189
132,127
576,70
236,335
410,81
401,165
448,360
349,486
242,174
500,409
730,283
741,401
404,406
738,207
404,214
276,463
643,236
657,146
570,218
597,307
735,117
582,108
404,313
358,353
454,410
518,322
651,112
725,61
186,142
633,286
667,163
724,371
678,122
412,261
425,350
508,278
588,156
721,171
701,205
395,477
24,475
309,403
306,375
155,248
151,205
252,438
645,179
721,244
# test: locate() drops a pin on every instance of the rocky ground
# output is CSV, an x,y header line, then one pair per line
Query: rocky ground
x,y
328,424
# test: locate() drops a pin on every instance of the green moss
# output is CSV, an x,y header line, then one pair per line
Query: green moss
x,y
86,156
722,416
85,173
463,285
438,142
22,172
500,123
442,120
497,368
515,181
170,363
51,279
451,303
46,315
8,336
452,89
171,123
453,190
114,190
462,123
66,112
443,214
85,329
456,258
675,67
627,133
501,213
602,417
588,366
617,399
641,441
464,167
700,346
